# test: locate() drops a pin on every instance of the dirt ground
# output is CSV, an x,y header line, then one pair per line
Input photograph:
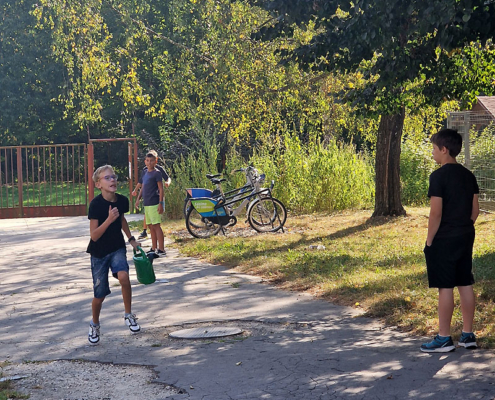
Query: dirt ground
x,y
80,380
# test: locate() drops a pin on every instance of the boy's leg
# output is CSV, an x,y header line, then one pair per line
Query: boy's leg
x,y
101,289
467,307
153,237
96,309
153,220
125,283
120,270
445,310
159,237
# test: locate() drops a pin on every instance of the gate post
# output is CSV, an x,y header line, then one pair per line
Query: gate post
x,y
129,160
91,168
19,180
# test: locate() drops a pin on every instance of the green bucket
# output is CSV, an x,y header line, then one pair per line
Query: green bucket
x,y
144,267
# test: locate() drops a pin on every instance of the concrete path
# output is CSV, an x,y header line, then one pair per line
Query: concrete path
x,y
293,346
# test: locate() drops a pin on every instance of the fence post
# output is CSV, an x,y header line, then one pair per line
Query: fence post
x,y
19,180
129,159
91,167
467,130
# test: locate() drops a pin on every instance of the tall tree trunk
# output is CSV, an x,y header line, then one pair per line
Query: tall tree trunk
x,y
387,166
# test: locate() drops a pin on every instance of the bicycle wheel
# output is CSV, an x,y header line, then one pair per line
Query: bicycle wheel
x,y
199,226
187,205
267,215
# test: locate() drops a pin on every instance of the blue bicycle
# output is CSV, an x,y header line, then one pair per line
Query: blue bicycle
x,y
213,211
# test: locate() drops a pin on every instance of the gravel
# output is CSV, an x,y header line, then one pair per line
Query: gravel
x,y
80,380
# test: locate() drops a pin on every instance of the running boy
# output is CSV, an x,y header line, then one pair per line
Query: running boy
x,y
454,208
154,205
107,248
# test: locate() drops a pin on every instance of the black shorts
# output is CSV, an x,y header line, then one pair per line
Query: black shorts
x,y
449,261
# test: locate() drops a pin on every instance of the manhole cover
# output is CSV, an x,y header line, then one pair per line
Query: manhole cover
x,y
205,332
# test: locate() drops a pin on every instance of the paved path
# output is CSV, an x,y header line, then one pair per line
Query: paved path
x,y
293,347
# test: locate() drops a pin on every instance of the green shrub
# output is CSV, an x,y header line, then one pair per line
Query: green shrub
x,y
318,177
416,165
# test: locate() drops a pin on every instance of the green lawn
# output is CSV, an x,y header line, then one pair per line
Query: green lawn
x,y
47,194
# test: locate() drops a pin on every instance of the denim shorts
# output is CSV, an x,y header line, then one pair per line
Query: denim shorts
x,y
116,262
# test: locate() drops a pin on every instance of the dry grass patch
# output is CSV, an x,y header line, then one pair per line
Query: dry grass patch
x,y
377,265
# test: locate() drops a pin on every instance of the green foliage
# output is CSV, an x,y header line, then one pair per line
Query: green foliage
x,y
482,150
318,176
29,81
416,165
190,172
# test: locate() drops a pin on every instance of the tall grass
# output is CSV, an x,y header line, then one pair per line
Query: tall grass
x,y
190,172
309,177
319,177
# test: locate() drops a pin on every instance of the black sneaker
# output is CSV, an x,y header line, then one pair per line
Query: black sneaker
x,y
160,253
94,333
151,251
468,340
143,235
438,345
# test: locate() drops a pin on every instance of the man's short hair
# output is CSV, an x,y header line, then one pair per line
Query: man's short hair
x,y
448,138
152,153
99,170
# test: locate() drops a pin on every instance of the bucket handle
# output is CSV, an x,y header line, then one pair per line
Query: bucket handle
x,y
143,254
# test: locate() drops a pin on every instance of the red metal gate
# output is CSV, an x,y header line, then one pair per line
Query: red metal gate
x,y
43,181
132,158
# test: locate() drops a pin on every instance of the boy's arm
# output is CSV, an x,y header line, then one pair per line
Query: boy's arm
x,y
134,192
136,206
160,190
125,227
436,206
476,208
96,231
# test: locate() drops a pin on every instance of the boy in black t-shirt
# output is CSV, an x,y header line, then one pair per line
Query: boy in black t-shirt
x,y
107,248
454,208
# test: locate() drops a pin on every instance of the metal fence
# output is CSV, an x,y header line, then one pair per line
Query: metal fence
x,y
478,132
45,180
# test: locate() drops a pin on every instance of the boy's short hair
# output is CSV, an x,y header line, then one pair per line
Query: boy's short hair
x,y
152,153
448,138
99,170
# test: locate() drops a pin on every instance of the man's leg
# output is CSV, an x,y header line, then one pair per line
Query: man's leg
x,y
467,307
445,310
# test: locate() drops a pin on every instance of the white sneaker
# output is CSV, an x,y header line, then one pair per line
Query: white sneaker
x,y
130,321
94,333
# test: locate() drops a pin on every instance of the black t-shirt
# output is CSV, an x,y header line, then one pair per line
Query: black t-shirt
x,y
112,239
456,185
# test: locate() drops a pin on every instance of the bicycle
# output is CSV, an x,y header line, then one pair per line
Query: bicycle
x,y
202,192
208,215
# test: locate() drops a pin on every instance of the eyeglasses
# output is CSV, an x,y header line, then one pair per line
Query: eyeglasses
x,y
110,177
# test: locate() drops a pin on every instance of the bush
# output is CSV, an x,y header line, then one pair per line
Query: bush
x,y
416,165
